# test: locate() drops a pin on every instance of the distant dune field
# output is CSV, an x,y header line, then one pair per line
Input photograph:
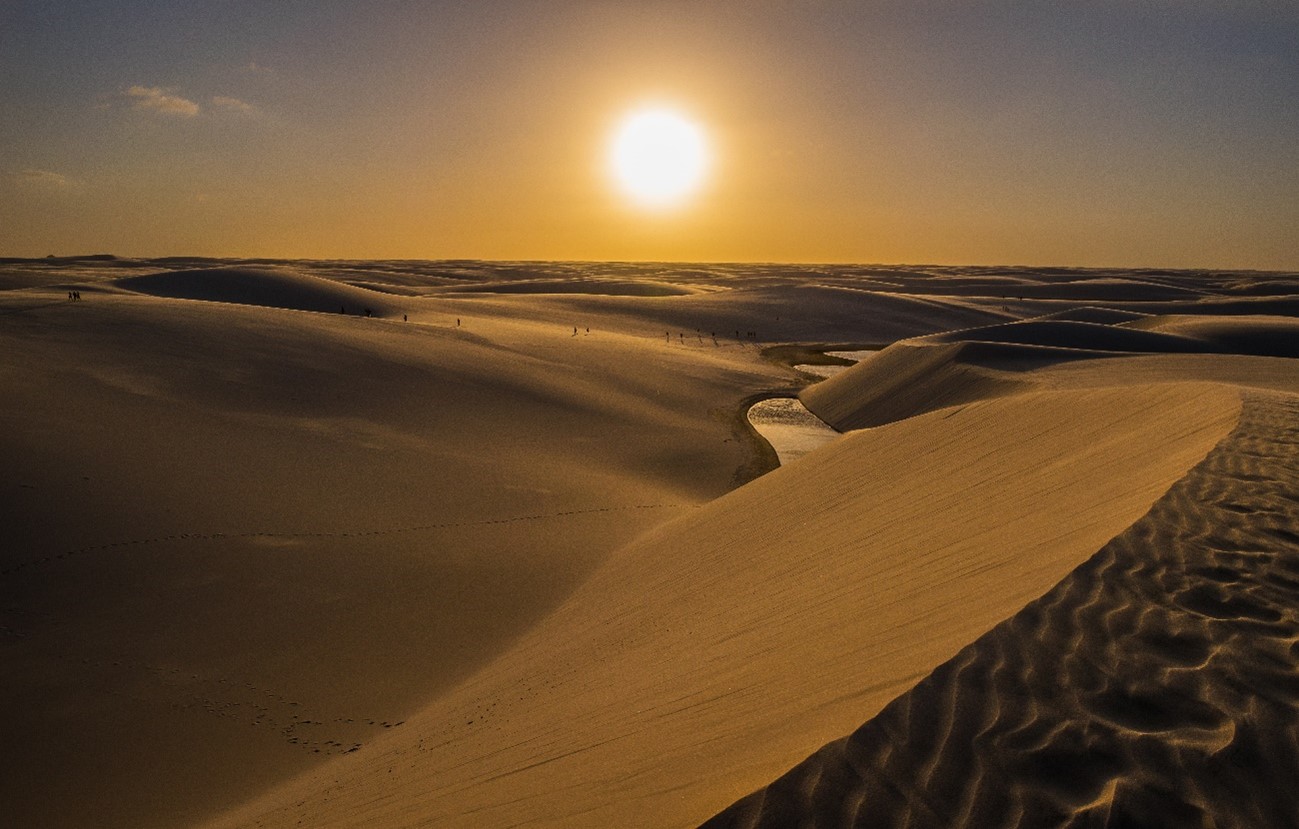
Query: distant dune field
x,y
465,544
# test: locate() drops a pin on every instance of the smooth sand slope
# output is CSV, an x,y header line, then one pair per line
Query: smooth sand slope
x,y
242,540
687,669
1155,686
273,565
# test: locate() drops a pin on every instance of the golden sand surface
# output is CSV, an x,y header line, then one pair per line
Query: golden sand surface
x,y
394,544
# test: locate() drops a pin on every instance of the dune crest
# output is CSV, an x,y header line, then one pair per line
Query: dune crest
x,y
907,379
1154,686
271,287
687,669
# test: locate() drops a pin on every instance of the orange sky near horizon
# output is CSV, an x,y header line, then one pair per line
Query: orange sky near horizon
x,y
1143,133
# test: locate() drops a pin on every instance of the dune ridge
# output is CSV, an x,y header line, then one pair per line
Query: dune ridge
x,y
684,671
930,372
272,287
906,379
1154,686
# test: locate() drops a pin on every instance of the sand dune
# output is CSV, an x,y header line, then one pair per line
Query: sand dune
x,y
687,668
748,312
277,288
266,533
506,563
1266,336
611,287
931,372
1105,316
1071,334
907,379
1154,686
1150,685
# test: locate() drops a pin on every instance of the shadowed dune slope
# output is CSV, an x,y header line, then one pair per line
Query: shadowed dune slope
x,y
1259,335
609,287
708,655
1155,686
241,541
1268,336
1087,313
1091,336
273,287
1108,289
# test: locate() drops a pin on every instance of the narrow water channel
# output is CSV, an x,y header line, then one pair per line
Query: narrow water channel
x,y
830,371
788,426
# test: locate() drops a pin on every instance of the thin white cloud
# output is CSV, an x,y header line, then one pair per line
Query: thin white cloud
x,y
225,102
43,179
157,99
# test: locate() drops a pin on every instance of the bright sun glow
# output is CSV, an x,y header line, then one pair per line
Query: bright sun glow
x,y
658,157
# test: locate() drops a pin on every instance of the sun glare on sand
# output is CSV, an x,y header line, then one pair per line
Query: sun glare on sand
x,y
658,157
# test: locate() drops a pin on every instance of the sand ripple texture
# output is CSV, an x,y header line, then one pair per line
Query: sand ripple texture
x,y
1156,686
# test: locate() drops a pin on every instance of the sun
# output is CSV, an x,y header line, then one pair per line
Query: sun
x,y
658,157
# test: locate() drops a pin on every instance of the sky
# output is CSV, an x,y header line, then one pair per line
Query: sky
x,y
1155,133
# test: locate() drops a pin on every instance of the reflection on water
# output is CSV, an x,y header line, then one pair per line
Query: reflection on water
x,y
786,423
830,371
789,427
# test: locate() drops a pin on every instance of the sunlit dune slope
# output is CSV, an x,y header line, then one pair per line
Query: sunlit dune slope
x,y
693,665
1154,686
906,379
